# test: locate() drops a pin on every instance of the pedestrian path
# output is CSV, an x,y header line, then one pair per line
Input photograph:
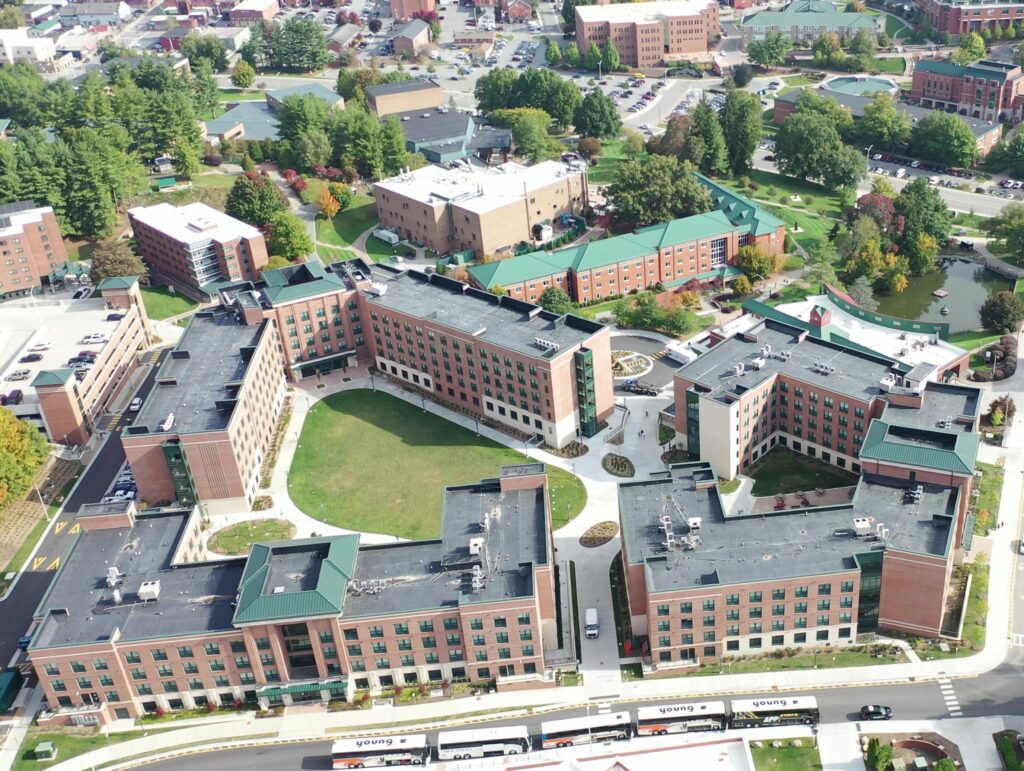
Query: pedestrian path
x,y
949,696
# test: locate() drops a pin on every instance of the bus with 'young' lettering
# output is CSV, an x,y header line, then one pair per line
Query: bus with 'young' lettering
x,y
681,718
370,751
583,730
483,742
775,710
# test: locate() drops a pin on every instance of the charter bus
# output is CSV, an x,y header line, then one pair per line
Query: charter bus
x,y
483,742
775,710
681,718
369,751
581,730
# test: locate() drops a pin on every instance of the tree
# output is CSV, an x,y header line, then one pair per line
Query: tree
x,y
741,286
972,48
186,159
113,258
243,76
593,57
553,54
610,59
329,205
864,43
288,236
556,300
23,451
632,143
572,54
375,25
755,262
820,265
589,147
1002,312
883,126
946,137
741,124
769,52
302,46
709,154
742,74
11,18
805,145
861,293
597,116
883,757
205,48
922,210
310,148
495,90
656,188
205,92
254,198
276,262
1008,226
394,152
945,764
98,171
880,208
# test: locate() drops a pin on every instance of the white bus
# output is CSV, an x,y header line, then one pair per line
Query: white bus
x,y
775,710
581,730
483,742
369,751
681,718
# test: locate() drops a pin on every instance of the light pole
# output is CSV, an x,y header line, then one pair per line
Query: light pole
x,y
868,158
46,512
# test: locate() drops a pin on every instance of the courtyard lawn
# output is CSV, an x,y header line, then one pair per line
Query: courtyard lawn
x,y
785,471
772,187
892,65
814,228
232,95
214,180
69,742
161,304
792,293
348,225
79,248
370,461
239,538
379,251
794,82
786,758
611,156
329,254
972,339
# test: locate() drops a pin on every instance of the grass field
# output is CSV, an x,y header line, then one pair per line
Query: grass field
x,y
79,248
814,228
792,293
329,254
771,186
785,471
238,539
380,251
786,758
69,743
972,339
793,82
895,65
611,157
347,226
161,304
215,180
369,461
232,95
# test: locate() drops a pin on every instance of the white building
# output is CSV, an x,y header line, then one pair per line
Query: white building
x,y
17,46
95,14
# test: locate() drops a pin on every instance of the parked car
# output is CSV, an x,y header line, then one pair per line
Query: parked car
x,y
15,397
18,374
115,316
30,357
42,345
875,712
81,293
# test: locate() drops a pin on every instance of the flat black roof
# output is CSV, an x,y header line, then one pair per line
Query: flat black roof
x,y
404,87
741,548
194,598
940,402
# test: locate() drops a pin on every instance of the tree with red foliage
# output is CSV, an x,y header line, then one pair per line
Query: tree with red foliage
x,y
880,208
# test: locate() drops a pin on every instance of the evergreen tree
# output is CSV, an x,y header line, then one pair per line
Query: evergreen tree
x,y
610,59
254,198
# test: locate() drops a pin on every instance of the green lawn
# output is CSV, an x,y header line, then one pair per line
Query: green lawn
x,y
238,539
793,262
161,304
895,65
611,157
814,228
213,180
348,225
329,254
792,293
234,95
786,758
991,489
70,743
369,461
381,251
972,339
793,82
729,486
785,471
79,248
771,186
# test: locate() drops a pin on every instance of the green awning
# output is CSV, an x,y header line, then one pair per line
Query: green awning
x,y
333,685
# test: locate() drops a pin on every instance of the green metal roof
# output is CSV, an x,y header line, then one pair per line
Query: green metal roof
x,y
258,602
52,377
515,270
955,452
786,19
741,211
330,685
118,282
295,282
713,223
939,67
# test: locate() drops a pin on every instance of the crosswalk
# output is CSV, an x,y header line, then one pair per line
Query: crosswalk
x,y
1017,640
658,355
949,696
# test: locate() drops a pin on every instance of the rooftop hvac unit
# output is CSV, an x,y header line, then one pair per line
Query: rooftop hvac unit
x,y
112,575
694,524
116,596
862,525
476,545
278,590
149,590
377,290
670,541
757,363
547,345
766,350
738,369
666,521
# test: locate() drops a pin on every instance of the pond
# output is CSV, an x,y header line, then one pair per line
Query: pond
x,y
968,284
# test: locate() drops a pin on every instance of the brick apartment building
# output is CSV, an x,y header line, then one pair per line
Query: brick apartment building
x,y
691,253
402,10
204,429
704,583
195,246
488,209
253,11
152,626
535,372
31,247
649,34
959,18
987,134
988,90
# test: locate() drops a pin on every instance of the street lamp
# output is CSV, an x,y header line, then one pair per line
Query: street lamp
x,y
867,153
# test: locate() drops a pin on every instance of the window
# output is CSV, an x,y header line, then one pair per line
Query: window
x,y
212,649
847,586
132,657
191,668
327,637
686,607
185,651
821,635
778,594
453,639
170,686
754,597
709,604
216,665
242,662
113,696
755,628
52,669
732,614
523,619
451,623
732,599
144,690
476,624
84,682
380,647
481,655
164,670
824,589
663,610
504,653
401,629
755,612
376,631
846,602
778,610
383,663
426,626
407,661
801,591
77,666
99,664
267,659
355,650
778,625
405,645
824,604
500,622
525,634
351,634
709,620
709,637
237,646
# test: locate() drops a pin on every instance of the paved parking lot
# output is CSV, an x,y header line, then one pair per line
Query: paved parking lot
x,y
661,375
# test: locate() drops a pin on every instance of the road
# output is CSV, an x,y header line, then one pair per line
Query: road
x,y
17,609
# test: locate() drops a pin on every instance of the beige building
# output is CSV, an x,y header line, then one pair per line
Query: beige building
x,y
388,98
649,34
489,210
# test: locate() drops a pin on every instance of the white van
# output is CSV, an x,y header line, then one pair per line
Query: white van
x,y
591,626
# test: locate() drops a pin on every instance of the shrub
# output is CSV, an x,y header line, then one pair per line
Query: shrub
x,y
212,159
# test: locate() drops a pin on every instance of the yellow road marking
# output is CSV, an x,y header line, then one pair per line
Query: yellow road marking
x,y
59,527
37,562
76,528
54,565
